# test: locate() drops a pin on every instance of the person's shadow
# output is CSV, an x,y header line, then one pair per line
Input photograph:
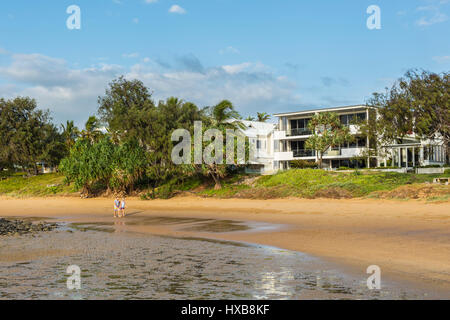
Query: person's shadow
x,y
132,213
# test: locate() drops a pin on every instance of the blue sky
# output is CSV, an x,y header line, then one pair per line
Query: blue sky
x,y
265,55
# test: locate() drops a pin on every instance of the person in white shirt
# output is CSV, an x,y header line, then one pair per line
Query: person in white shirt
x,y
122,207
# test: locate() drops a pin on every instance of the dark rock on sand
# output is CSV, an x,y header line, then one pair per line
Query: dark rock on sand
x,y
19,227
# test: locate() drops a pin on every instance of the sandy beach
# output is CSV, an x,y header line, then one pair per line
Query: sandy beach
x,y
409,240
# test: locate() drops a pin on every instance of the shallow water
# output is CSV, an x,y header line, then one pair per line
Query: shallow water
x,y
126,265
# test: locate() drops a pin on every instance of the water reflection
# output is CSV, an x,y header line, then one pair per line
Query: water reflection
x,y
119,265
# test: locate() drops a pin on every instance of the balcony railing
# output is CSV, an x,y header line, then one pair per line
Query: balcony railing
x,y
303,153
298,132
331,153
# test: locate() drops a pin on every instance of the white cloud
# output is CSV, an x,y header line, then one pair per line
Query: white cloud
x,y
236,68
177,9
71,93
130,55
442,59
229,49
432,14
428,21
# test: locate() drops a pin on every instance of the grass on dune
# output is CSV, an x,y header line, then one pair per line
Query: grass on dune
x,y
17,185
310,183
303,183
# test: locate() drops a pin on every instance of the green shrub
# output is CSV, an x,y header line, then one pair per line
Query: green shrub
x,y
431,166
303,164
344,168
165,191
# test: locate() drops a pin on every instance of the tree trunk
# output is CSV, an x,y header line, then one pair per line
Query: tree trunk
x,y
320,160
218,185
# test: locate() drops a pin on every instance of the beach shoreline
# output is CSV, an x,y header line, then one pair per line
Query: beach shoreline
x,y
409,240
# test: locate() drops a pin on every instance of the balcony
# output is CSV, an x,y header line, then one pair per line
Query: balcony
x,y
332,153
279,135
283,156
300,153
298,132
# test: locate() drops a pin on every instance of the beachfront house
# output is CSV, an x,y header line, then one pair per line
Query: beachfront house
x,y
260,136
292,131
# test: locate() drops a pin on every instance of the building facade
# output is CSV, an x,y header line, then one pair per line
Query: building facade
x,y
277,145
290,139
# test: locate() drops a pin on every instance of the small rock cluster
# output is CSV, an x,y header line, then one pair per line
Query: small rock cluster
x,y
18,227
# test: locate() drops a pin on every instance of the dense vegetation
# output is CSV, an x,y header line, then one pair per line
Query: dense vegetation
x,y
27,136
126,147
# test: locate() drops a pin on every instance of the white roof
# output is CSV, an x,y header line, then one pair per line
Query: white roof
x,y
322,110
256,128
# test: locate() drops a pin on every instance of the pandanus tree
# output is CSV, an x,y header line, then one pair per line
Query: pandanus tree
x,y
103,163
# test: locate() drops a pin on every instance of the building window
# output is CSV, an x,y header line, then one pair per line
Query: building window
x,y
362,142
348,119
299,127
361,116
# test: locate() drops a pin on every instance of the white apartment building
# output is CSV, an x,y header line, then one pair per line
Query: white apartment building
x,y
279,144
293,131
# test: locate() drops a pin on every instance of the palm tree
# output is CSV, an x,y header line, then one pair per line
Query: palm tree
x,y
263,116
91,131
224,114
224,111
70,133
250,118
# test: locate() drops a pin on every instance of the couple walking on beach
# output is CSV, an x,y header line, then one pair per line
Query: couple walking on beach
x,y
119,208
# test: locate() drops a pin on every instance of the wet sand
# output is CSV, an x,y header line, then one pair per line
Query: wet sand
x,y
128,265
409,240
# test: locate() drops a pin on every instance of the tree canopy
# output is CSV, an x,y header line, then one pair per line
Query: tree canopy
x,y
418,103
27,135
